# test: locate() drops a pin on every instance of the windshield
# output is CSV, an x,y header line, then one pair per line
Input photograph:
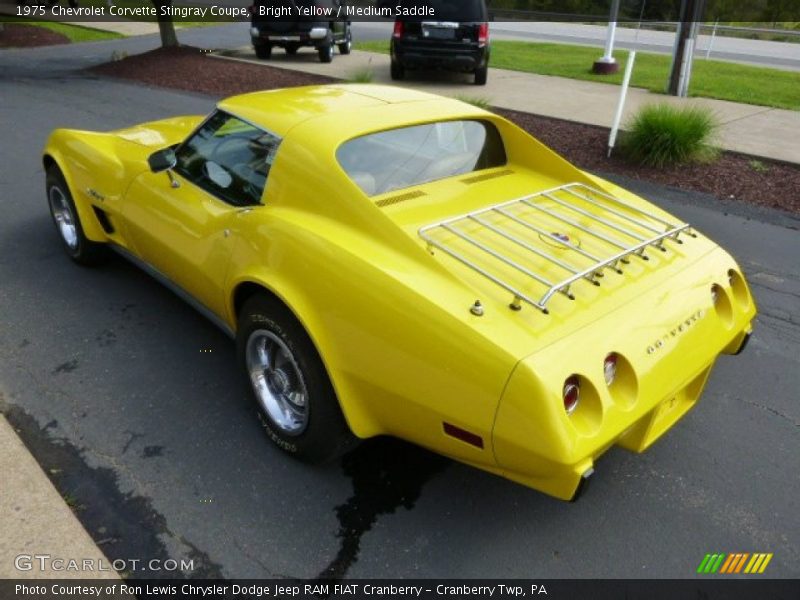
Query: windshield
x,y
400,158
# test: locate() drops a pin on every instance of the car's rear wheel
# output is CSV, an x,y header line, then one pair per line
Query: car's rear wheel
x,y
347,45
65,217
397,71
263,51
291,49
481,74
287,379
326,53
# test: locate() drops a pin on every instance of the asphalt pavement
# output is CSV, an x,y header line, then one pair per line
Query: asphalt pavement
x,y
135,401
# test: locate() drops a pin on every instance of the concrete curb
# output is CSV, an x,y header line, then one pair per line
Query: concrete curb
x,y
36,521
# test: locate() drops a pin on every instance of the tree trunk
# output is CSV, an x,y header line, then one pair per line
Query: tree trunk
x,y
165,25
167,30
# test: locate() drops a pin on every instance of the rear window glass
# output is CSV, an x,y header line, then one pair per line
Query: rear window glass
x,y
401,158
448,10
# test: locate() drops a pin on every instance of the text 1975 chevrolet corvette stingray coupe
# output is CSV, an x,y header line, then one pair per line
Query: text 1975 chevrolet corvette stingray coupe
x,y
393,262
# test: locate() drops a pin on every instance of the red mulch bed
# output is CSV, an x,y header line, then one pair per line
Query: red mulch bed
x,y
28,36
190,69
734,176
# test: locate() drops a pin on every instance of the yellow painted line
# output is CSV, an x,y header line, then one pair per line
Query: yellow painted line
x,y
765,563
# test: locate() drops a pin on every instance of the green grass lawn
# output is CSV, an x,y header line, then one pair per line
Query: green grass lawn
x,y
73,32
710,78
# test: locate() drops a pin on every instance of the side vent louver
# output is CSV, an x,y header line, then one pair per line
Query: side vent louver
x,y
486,176
105,222
400,198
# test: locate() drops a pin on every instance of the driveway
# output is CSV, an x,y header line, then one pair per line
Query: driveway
x,y
133,403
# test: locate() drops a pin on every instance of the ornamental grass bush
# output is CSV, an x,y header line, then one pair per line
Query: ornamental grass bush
x,y
662,135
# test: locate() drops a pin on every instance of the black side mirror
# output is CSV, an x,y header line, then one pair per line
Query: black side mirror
x,y
163,160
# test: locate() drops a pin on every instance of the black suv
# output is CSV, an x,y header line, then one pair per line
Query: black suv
x,y
317,23
456,38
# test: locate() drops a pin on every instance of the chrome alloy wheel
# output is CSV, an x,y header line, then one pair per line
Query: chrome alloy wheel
x,y
277,381
62,214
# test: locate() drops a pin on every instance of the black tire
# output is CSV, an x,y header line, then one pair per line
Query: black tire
x,y
326,53
291,49
324,434
347,45
397,71
481,74
67,222
263,51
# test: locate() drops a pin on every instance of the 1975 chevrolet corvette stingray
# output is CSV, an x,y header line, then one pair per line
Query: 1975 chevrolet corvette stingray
x,y
393,262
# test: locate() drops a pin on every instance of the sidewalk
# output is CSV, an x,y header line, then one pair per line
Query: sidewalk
x,y
36,521
757,130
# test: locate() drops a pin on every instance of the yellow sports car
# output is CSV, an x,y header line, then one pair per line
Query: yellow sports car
x,y
392,262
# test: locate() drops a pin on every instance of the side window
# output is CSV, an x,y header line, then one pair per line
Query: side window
x,y
228,158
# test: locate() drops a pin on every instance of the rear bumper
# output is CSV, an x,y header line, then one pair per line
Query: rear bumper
x,y
466,58
668,340
317,34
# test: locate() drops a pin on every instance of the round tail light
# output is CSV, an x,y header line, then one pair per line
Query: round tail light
x,y
571,394
610,368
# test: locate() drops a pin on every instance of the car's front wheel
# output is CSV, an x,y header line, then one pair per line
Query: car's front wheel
x,y
65,217
263,51
287,379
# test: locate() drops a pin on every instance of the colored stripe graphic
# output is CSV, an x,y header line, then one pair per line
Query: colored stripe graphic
x,y
765,563
703,563
735,563
741,562
727,564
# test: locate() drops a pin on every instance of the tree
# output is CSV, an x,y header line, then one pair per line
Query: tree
x,y
165,25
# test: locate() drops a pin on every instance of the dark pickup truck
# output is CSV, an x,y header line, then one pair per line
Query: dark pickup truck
x,y
292,24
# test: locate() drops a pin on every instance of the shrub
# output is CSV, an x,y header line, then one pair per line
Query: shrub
x,y
661,135
364,75
483,103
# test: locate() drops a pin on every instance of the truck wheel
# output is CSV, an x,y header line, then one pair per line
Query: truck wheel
x,y
326,53
397,71
263,51
481,73
347,45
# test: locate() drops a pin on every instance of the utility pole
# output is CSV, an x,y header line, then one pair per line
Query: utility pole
x,y
607,64
690,17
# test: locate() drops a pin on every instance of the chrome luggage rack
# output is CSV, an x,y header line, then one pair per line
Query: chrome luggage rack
x,y
504,240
